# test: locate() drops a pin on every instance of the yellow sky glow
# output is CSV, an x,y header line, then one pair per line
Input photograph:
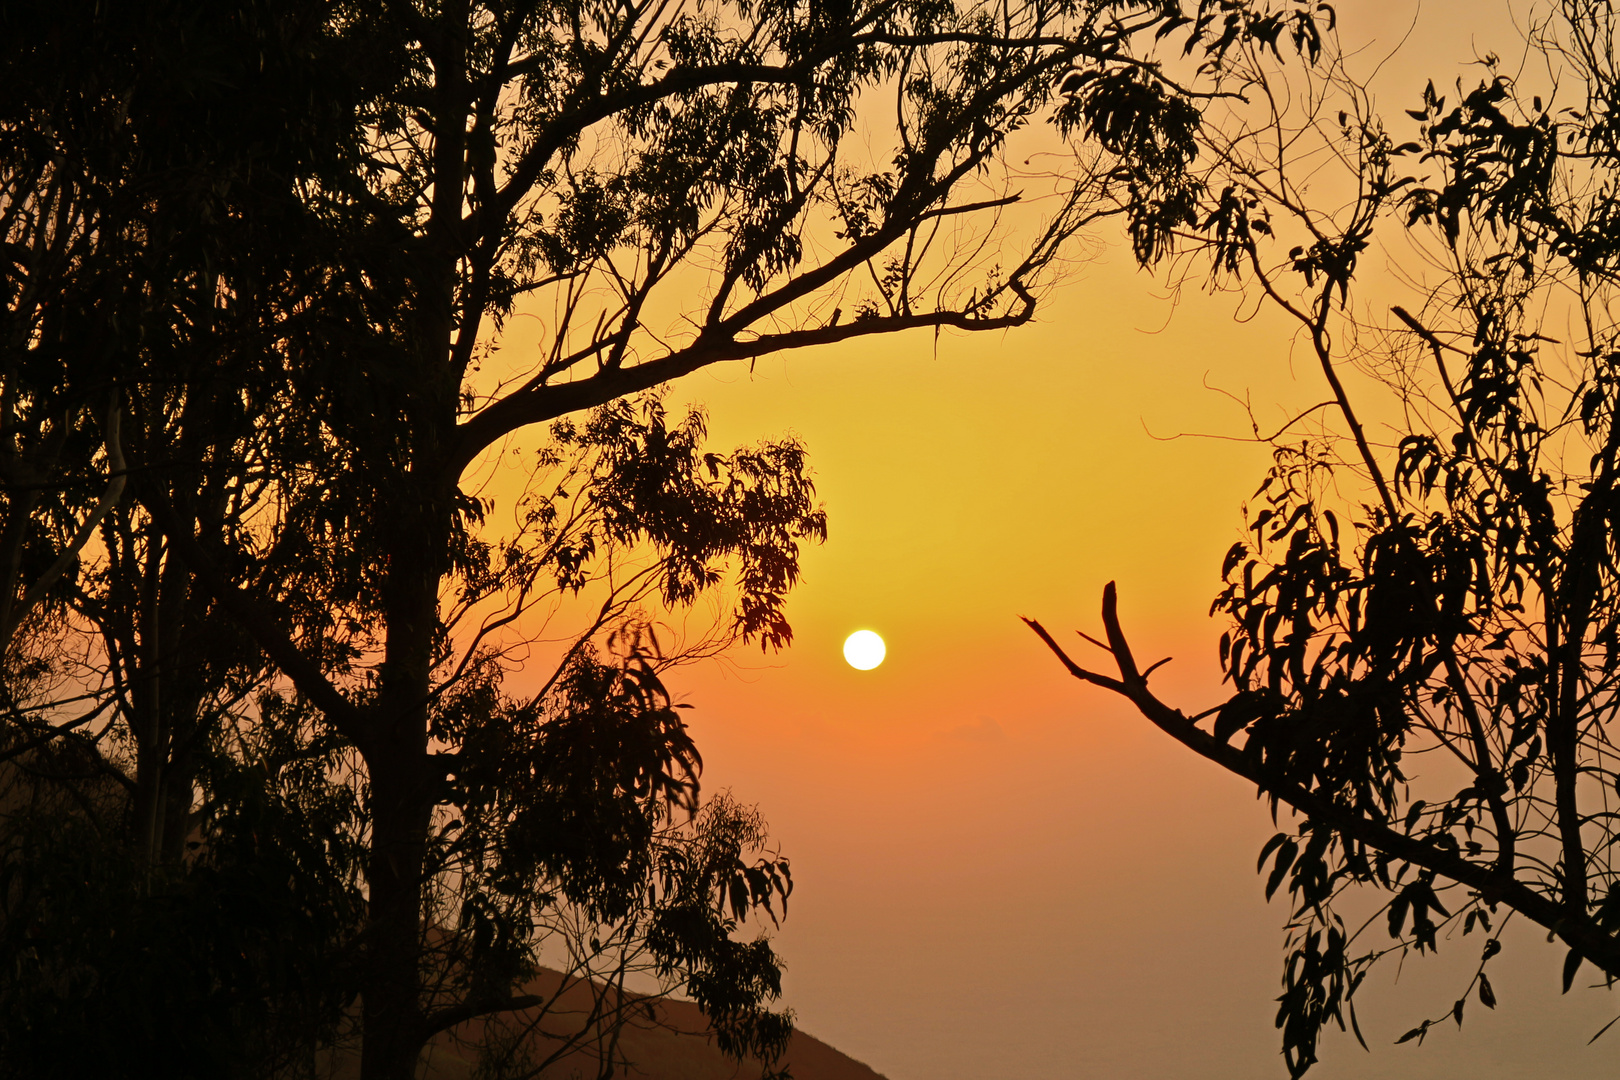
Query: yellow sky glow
x,y
1000,873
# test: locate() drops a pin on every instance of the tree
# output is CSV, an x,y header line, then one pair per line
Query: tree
x,y
155,785
589,161
1462,602
603,164
136,137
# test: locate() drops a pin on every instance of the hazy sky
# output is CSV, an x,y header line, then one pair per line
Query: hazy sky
x,y
1002,873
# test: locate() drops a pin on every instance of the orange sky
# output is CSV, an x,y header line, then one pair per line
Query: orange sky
x,y
1000,872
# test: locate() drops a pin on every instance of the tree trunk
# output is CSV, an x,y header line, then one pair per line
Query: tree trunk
x,y
392,987
402,792
151,736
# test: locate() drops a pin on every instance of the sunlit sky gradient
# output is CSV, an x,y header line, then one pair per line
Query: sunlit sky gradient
x,y
1002,873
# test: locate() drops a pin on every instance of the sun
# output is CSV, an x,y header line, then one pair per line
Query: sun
x,y
864,650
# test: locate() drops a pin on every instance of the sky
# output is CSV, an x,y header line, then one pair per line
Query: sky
x,y
1000,872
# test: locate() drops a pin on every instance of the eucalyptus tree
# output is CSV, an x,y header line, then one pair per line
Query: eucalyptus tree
x,y
663,187
57,219
135,136
1425,638
155,784
148,225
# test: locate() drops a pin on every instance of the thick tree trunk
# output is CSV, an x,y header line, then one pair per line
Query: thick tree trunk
x,y
402,795
420,502
392,987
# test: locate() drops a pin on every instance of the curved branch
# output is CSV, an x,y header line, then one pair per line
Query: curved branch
x,y
536,403
1578,930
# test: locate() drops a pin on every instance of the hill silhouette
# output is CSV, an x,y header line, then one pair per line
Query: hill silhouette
x,y
663,1039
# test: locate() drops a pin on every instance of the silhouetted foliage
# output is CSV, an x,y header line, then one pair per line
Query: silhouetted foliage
x,y
238,961
260,261
1449,590
166,905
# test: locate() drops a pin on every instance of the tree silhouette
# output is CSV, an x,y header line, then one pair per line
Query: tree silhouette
x,y
1449,589
180,893
590,160
306,373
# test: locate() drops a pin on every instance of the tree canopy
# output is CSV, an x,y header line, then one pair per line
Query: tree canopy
x,y
260,261
1423,639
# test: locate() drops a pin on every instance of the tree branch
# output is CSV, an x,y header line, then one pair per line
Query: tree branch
x,y
450,1016
1576,929
259,621
536,402
109,498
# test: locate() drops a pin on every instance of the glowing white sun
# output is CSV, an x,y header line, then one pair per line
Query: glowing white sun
x,y
864,650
